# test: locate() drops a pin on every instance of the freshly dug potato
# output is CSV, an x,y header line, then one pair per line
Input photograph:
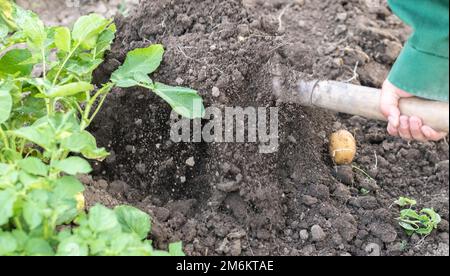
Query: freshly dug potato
x,y
80,202
342,147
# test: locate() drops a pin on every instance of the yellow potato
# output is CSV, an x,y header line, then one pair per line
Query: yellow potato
x,y
80,202
342,147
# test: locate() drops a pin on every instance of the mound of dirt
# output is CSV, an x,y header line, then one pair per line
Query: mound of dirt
x,y
228,198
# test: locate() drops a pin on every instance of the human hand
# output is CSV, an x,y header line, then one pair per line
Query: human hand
x,y
409,128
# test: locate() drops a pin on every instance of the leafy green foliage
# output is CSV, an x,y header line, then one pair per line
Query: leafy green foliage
x,y
44,140
404,201
422,223
142,62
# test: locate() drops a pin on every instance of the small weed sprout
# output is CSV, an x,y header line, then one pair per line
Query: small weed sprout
x,y
413,222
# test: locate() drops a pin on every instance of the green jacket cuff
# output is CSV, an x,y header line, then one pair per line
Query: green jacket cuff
x,y
421,74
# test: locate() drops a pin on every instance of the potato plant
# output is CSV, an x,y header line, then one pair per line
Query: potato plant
x,y
47,102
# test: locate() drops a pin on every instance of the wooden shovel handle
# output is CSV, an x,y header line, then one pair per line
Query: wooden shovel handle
x,y
365,102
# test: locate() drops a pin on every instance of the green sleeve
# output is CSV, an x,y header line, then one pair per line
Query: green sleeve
x,y
422,68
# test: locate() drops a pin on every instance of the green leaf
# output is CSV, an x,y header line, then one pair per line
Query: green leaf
x,y
407,226
410,214
435,217
78,142
8,244
38,247
32,214
139,61
72,246
176,249
4,30
70,89
126,83
63,39
73,165
83,67
16,61
41,135
184,101
7,200
21,238
404,201
87,30
32,27
133,220
84,143
104,41
102,219
6,104
68,187
34,166
160,253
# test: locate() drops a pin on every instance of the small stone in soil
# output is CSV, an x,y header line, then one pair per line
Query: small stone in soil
x,y
215,92
309,200
304,235
190,162
317,233
373,249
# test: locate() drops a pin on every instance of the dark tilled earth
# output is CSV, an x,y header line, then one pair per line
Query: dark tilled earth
x,y
228,199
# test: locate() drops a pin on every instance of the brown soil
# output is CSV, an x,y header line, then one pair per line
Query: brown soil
x,y
290,202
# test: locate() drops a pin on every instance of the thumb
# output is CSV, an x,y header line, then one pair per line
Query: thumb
x,y
389,104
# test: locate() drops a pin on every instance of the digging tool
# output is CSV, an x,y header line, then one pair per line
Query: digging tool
x,y
365,101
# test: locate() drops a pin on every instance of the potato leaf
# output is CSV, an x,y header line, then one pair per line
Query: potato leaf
x,y
7,200
6,13
8,244
176,249
184,101
67,187
41,135
38,247
73,165
87,30
16,61
63,39
6,103
32,27
33,165
72,246
133,220
4,30
104,41
102,219
138,62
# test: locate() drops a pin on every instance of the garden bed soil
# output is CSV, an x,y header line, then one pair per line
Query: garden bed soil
x,y
229,199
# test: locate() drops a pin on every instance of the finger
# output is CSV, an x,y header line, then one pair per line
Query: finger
x,y
433,135
392,130
389,104
415,126
404,130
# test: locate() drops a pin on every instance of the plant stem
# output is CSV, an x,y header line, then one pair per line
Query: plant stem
x,y
363,172
64,63
4,138
44,65
18,223
100,104
87,119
